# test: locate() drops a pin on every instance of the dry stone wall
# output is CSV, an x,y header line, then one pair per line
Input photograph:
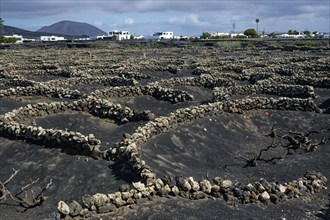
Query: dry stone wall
x,y
290,78
284,90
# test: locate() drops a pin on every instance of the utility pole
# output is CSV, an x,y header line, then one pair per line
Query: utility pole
x,y
1,26
257,20
1,22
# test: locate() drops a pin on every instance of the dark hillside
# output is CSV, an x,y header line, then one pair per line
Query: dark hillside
x,y
72,28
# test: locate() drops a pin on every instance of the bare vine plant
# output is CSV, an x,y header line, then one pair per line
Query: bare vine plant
x,y
26,197
289,141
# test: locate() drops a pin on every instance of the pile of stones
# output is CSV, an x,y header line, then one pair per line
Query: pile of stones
x,y
89,80
204,80
323,82
16,81
261,191
284,90
129,148
11,126
42,90
160,93
69,141
292,77
105,109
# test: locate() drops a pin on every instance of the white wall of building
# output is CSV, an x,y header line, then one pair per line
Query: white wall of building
x,y
120,35
161,35
51,38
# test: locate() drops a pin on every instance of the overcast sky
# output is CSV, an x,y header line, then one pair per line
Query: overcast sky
x,y
183,17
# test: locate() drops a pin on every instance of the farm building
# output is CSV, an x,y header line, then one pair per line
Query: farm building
x,y
51,38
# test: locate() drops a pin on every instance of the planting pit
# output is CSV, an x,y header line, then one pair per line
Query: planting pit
x,y
166,132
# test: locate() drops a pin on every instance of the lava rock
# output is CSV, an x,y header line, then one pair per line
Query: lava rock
x,y
75,208
110,207
205,186
63,208
124,188
198,195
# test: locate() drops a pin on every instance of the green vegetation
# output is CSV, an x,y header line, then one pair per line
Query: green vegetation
x,y
205,35
240,37
272,35
7,40
307,32
275,45
137,45
291,32
229,44
310,43
251,33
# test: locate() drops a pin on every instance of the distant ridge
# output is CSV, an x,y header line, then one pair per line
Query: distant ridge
x,y
72,28
10,30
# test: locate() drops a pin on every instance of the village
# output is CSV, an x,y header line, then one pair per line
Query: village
x,y
166,35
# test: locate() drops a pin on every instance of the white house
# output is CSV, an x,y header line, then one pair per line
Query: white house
x,y
160,36
300,35
237,35
99,37
218,34
181,37
51,38
120,35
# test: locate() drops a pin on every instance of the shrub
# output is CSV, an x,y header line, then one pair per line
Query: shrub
x,y
7,40
229,44
240,37
205,35
310,43
251,33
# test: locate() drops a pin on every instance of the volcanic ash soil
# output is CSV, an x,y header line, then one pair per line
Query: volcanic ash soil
x,y
165,133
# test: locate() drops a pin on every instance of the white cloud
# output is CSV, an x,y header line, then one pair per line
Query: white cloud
x,y
186,16
191,19
98,23
129,21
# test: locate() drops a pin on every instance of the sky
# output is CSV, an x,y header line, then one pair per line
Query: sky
x,y
183,17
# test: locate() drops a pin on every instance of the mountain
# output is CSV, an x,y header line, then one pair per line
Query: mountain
x,y
10,30
72,28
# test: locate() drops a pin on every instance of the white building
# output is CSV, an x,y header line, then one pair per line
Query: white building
x,y
181,37
218,34
228,35
237,35
51,38
100,37
160,36
120,35
300,35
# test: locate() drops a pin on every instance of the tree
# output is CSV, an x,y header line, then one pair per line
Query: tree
x,y
7,40
251,33
307,32
205,35
272,35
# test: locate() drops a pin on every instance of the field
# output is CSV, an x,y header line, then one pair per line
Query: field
x,y
224,130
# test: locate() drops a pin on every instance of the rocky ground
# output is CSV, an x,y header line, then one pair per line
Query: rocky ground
x,y
193,132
